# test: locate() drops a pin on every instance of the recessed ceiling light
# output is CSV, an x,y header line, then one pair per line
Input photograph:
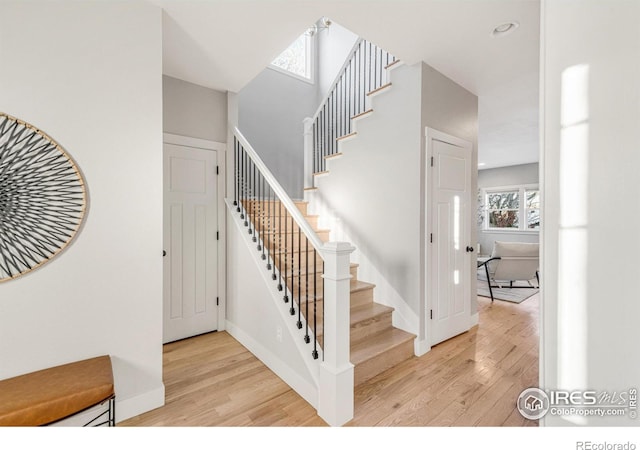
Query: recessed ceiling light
x,y
481,164
504,29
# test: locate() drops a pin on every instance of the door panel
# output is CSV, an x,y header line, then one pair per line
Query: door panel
x,y
451,196
190,226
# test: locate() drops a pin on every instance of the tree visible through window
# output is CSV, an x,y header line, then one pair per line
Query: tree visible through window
x,y
296,59
515,208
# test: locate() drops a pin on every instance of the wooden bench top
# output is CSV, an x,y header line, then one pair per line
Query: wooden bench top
x,y
48,395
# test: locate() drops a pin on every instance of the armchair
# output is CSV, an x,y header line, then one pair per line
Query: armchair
x,y
512,261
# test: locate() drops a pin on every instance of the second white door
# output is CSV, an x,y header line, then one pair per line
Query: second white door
x,y
450,236
190,242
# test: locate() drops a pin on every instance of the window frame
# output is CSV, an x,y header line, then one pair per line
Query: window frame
x,y
523,210
310,49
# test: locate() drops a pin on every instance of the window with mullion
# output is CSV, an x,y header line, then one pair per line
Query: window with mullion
x,y
503,209
515,208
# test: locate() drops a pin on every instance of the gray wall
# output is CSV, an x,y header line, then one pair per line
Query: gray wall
x,y
506,176
194,111
271,109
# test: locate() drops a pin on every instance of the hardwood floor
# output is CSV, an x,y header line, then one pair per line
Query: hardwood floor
x,y
471,380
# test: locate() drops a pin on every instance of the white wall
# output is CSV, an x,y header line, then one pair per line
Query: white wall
x,y
589,164
89,74
334,45
255,312
372,196
506,176
194,111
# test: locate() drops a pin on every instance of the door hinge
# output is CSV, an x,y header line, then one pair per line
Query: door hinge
x,y
432,161
217,170
431,314
217,301
217,235
431,237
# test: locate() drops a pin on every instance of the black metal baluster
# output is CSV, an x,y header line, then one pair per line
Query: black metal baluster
x,y
299,324
292,310
363,88
381,68
323,309
375,69
252,184
314,353
235,172
243,215
271,232
283,245
258,216
351,92
369,71
306,292
279,242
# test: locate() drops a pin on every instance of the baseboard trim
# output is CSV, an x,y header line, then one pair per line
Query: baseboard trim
x,y
420,347
134,406
275,364
475,319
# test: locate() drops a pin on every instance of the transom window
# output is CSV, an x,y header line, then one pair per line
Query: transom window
x,y
512,208
296,60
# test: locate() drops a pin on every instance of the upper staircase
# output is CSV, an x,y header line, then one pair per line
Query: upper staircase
x,y
375,344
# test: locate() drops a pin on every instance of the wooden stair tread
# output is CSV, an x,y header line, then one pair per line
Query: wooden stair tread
x,y
318,270
289,232
359,314
335,155
357,286
368,311
390,65
346,136
364,113
381,88
323,172
311,189
361,286
375,345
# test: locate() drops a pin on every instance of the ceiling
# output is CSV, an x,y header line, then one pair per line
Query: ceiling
x,y
223,44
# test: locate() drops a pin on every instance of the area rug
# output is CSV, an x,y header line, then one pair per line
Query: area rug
x,y
509,295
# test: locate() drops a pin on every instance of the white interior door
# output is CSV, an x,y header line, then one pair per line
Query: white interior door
x,y
190,242
450,236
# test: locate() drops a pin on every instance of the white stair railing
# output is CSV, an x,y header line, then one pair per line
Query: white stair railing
x,y
295,256
363,72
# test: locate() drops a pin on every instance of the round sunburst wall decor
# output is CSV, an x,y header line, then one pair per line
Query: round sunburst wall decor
x,y
42,198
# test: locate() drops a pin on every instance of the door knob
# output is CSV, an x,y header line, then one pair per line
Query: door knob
x,y
164,253
469,249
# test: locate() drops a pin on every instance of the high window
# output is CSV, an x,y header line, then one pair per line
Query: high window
x,y
297,59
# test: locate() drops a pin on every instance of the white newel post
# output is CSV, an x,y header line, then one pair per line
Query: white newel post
x,y
335,404
308,152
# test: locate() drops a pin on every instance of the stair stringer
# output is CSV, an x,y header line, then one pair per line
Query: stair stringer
x,y
255,310
372,196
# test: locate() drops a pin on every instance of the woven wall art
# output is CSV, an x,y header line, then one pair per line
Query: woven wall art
x,y
42,198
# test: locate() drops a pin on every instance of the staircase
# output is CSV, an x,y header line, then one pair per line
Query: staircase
x,y
375,344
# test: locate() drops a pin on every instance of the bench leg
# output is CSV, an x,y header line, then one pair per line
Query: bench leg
x,y
110,413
